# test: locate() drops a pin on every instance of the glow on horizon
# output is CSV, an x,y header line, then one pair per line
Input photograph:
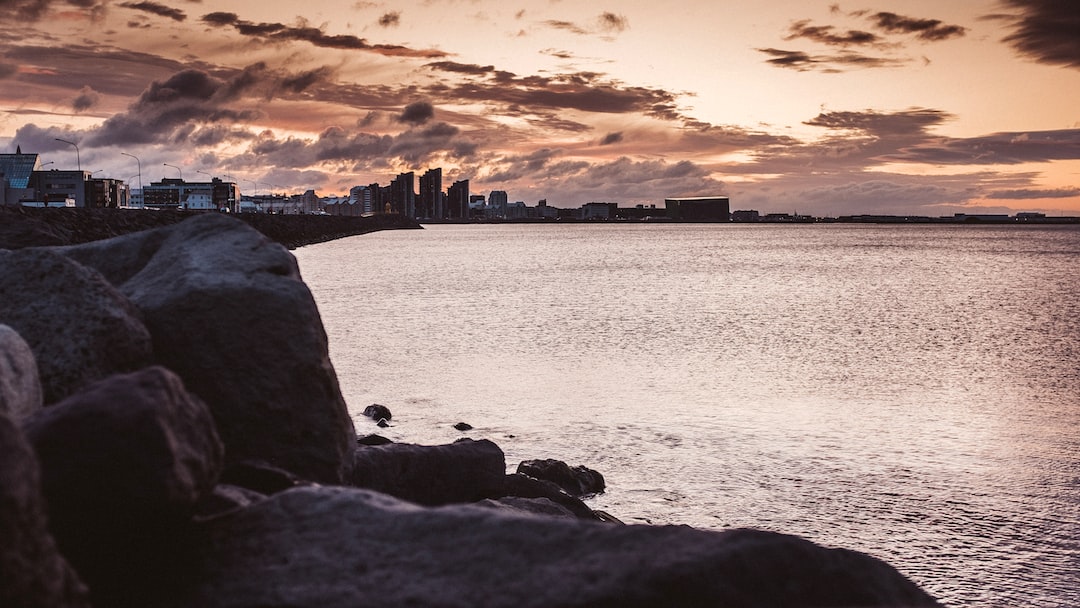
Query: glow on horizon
x,y
820,105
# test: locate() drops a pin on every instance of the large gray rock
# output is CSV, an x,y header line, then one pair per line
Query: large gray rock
x,y
229,313
20,389
338,547
577,481
80,328
124,463
463,471
32,573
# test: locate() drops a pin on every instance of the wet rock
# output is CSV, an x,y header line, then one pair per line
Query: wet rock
x,y
225,498
20,389
260,477
464,471
228,313
373,440
80,328
33,574
523,486
124,463
577,481
333,547
532,506
463,426
378,412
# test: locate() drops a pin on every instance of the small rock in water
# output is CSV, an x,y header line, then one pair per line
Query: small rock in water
x,y
383,423
378,412
463,426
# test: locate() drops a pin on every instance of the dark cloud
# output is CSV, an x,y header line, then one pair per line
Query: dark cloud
x,y
8,70
915,121
278,32
568,26
1047,31
804,62
827,34
303,81
610,22
35,10
109,71
462,68
926,29
156,8
86,99
611,138
1033,193
417,113
996,149
390,19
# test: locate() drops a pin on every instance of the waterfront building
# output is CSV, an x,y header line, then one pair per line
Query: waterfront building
x,y
496,204
457,200
599,211
430,203
745,216
699,209
403,194
175,193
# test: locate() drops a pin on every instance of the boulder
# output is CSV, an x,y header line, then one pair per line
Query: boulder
x,y
260,477
124,463
33,574
229,313
20,389
523,486
463,426
373,439
378,412
577,481
80,328
464,471
225,498
534,506
334,547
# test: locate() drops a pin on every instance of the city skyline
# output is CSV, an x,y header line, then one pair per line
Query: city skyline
x,y
915,108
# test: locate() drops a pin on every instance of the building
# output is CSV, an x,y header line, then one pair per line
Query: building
x,y
599,211
699,209
16,173
749,215
175,193
457,200
496,204
403,194
430,201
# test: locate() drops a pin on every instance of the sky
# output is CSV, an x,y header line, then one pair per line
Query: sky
x,y
914,107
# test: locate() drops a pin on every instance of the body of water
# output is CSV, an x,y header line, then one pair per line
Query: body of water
x,y
909,392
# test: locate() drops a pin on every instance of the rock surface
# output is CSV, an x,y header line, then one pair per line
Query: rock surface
x,y
464,471
124,463
80,328
20,389
339,547
524,486
228,313
33,574
378,412
577,481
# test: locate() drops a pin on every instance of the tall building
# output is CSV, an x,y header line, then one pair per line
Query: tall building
x,y
699,209
430,203
403,194
361,197
457,200
16,171
496,204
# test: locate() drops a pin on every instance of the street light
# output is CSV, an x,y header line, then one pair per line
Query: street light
x,y
177,170
206,174
140,168
77,157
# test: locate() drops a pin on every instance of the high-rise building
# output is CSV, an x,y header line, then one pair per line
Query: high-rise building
x,y
497,202
457,200
403,194
430,200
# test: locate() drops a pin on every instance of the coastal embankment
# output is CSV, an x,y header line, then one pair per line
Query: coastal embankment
x,y
30,227
173,434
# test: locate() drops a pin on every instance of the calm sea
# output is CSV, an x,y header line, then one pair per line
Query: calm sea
x,y
910,392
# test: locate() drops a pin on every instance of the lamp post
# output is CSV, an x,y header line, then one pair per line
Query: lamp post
x,y
180,200
181,173
140,169
77,157
43,165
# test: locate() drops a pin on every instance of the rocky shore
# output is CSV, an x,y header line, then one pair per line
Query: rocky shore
x,y
172,434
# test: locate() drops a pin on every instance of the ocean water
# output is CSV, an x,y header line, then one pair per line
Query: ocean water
x,y
910,392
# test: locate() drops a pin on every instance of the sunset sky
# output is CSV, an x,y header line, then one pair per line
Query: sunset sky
x,y
880,106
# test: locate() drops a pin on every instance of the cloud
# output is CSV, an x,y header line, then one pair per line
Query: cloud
x,y
35,10
8,70
996,149
831,64
915,121
1033,193
925,29
827,34
279,32
611,138
390,19
86,99
417,113
610,22
1046,30
606,23
157,9
568,26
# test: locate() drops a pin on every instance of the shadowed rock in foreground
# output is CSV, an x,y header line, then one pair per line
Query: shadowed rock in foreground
x,y
132,469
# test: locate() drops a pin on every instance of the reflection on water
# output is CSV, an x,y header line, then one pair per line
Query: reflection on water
x,y
911,392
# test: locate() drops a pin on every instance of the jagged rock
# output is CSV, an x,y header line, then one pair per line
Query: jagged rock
x,y
80,328
463,426
20,389
333,547
124,463
33,574
533,506
577,481
523,486
464,471
225,498
228,313
373,440
378,412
